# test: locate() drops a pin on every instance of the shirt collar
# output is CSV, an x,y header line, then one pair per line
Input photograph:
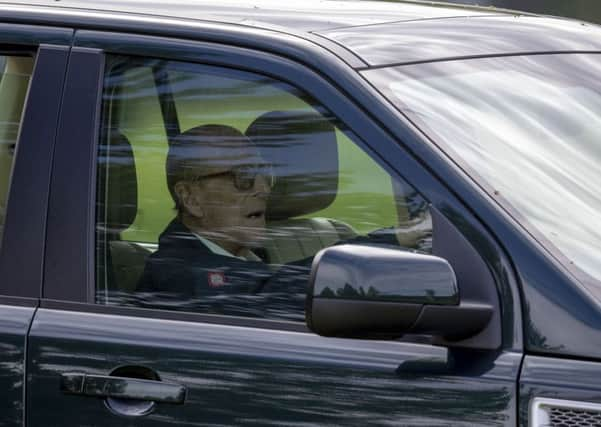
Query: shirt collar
x,y
215,248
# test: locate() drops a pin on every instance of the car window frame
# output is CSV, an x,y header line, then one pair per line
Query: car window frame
x,y
23,240
62,288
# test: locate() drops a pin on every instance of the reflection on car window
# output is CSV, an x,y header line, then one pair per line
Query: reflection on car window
x,y
15,72
217,187
528,119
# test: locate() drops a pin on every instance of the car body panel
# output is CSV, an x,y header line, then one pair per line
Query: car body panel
x,y
428,40
28,35
79,107
251,376
562,320
15,320
548,377
303,16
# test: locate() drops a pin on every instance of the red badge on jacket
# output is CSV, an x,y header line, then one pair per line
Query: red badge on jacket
x,y
216,279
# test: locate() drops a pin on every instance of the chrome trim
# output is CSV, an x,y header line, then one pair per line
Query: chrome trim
x,y
539,417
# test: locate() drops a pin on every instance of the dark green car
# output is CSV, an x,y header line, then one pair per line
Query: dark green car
x,y
327,213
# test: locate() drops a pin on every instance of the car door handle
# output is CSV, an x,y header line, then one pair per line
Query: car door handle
x,y
122,388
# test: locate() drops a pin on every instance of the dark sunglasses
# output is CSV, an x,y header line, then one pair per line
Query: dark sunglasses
x,y
244,177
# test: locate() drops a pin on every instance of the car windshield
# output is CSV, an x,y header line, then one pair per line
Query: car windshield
x,y
529,128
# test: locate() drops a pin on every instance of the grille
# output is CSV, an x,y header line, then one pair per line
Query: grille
x,y
564,413
563,417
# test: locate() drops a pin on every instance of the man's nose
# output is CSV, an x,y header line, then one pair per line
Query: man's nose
x,y
261,187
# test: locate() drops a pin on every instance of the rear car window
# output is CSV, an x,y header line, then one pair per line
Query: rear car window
x,y
15,74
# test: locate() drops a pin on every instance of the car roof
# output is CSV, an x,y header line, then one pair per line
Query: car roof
x,y
296,16
378,33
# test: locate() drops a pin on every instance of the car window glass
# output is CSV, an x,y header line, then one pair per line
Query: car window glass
x,y
15,73
527,119
217,187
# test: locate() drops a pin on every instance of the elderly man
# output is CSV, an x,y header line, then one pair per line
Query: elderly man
x,y
220,185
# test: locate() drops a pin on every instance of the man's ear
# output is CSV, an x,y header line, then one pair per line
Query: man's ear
x,y
188,199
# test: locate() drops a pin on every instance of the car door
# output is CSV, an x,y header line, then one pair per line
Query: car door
x,y
102,354
32,63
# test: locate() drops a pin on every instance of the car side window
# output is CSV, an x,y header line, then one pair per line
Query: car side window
x,y
15,74
217,187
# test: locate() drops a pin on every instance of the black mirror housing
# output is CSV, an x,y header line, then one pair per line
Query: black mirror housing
x,y
375,291
379,273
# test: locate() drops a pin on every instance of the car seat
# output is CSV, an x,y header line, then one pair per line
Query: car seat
x,y
302,148
120,263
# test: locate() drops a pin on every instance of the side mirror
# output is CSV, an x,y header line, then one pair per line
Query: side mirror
x,y
379,292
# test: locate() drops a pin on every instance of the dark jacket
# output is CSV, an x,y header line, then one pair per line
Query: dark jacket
x,y
184,274
184,265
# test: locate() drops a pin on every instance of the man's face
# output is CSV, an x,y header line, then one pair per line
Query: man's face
x,y
230,214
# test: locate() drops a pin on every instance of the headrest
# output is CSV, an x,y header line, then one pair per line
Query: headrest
x,y
117,185
302,149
